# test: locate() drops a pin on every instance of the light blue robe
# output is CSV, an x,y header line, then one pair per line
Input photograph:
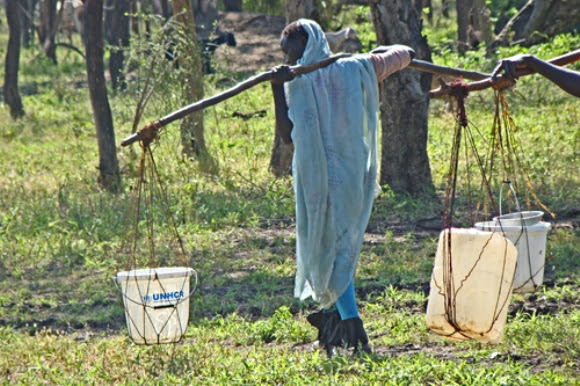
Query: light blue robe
x,y
334,115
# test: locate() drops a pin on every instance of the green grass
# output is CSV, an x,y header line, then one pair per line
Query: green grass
x,y
232,350
62,240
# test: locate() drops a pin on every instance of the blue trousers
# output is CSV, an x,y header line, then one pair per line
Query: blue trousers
x,y
346,304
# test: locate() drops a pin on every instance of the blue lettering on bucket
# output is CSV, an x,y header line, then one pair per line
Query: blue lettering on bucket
x,y
163,296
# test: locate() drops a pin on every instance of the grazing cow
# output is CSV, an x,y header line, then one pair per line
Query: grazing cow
x,y
335,39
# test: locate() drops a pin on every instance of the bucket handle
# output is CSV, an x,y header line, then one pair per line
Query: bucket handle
x,y
509,184
191,293
524,230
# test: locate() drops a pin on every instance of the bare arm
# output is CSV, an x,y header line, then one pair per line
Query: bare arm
x,y
282,74
283,123
564,78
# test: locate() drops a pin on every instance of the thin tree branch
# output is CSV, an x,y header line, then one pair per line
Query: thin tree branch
x,y
71,47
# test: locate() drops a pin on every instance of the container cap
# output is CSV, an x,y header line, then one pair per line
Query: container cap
x,y
152,273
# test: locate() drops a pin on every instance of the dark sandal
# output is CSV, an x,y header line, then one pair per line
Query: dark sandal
x,y
355,335
330,329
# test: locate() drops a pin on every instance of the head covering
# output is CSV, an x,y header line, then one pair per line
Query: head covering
x,y
317,46
334,113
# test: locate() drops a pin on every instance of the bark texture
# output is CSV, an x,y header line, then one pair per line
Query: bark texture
x,y
473,24
192,131
47,27
108,165
27,13
11,92
404,101
463,8
117,35
481,21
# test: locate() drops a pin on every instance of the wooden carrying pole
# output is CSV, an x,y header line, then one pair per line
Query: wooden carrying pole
x,y
149,132
502,81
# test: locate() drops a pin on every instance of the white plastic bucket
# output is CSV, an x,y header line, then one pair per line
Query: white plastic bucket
x,y
530,241
471,285
517,218
156,303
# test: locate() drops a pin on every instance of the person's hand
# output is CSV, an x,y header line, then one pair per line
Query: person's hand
x,y
510,66
281,74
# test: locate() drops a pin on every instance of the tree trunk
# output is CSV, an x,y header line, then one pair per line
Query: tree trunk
x,y
159,7
206,17
445,8
47,27
296,9
11,92
473,25
481,21
27,13
418,4
117,34
404,101
281,158
108,166
428,5
165,9
192,132
463,8
233,5
134,18
538,21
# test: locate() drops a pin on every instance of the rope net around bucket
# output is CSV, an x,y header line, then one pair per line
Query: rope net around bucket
x,y
156,282
513,170
502,159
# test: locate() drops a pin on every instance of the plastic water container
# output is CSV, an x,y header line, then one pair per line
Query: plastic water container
x,y
517,218
530,241
471,285
156,303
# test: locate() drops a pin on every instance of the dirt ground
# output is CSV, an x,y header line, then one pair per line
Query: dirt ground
x,y
258,41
